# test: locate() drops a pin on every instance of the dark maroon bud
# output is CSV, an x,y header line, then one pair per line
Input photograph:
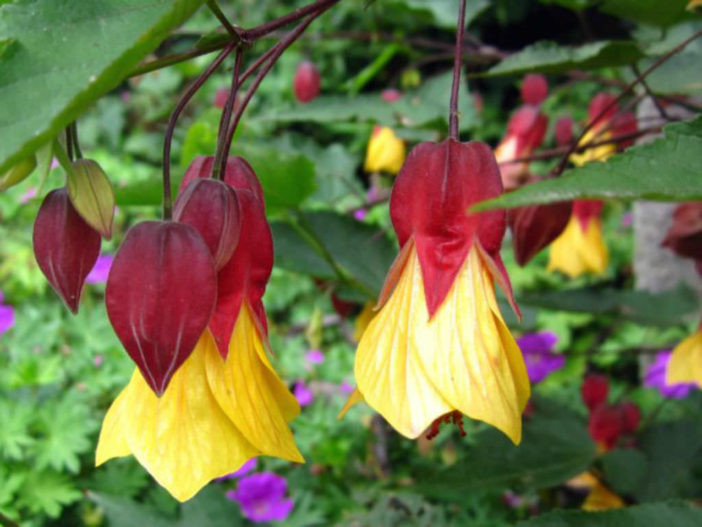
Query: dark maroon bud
x,y
307,81
65,246
564,130
160,295
534,89
237,174
535,227
594,390
211,207
685,234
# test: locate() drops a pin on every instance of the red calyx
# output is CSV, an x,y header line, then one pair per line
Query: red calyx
x,y
631,416
307,82
65,246
535,227
564,130
684,237
585,210
429,204
605,424
237,174
211,207
534,89
529,125
160,295
594,390
624,123
598,104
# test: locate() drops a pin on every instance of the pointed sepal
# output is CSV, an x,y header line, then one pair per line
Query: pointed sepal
x,y
17,173
92,195
534,227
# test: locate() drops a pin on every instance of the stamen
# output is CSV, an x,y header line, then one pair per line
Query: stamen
x,y
454,417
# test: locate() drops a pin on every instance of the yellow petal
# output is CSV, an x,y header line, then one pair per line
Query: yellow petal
x,y
686,361
576,252
597,153
112,442
413,370
363,319
385,153
251,393
601,499
183,438
355,398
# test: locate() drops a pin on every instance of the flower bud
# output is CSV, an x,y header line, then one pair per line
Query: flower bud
x,y
306,82
391,95
631,416
624,123
160,295
598,104
684,237
535,227
606,425
92,195
594,390
17,173
564,130
534,89
211,207
237,174
65,246
385,152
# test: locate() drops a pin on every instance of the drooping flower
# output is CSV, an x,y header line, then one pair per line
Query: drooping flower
x,y
656,378
684,237
540,360
385,152
685,364
599,497
262,497
534,227
580,248
99,272
438,346
563,131
7,316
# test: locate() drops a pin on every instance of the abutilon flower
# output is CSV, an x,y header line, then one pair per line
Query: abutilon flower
x,y
438,346
580,248
525,132
534,227
224,404
685,364
307,81
385,152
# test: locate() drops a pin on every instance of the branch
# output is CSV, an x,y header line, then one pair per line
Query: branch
x,y
312,9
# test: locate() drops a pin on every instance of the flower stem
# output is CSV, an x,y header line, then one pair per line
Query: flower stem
x,y
457,63
220,161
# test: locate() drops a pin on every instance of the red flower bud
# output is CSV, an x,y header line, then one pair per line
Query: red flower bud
x,y
684,237
594,390
342,307
606,424
65,246
631,416
529,125
237,174
564,130
307,81
160,295
534,89
391,95
624,123
211,207
598,103
535,227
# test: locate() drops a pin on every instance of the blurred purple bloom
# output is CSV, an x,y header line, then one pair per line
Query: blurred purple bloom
x,y
346,388
242,471
28,195
627,219
655,378
54,163
360,214
540,360
97,360
262,497
99,273
302,393
7,316
314,357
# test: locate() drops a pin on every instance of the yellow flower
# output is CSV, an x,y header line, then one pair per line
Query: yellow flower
x,y
597,153
363,319
693,4
599,497
385,152
686,361
580,248
215,415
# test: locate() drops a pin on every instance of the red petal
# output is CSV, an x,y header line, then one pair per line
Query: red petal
x,y
160,295
238,174
307,82
534,88
211,207
598,103
65,246
430,200
499,274
535,227
529,125
246,274
585,210
631,416
622,124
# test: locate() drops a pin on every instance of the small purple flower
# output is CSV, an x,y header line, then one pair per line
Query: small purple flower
x,y
314,357
28,195
540,360
360,214
98,274
98,360
302,393
262,497
241,471
655,378
7,316
627,219
346,388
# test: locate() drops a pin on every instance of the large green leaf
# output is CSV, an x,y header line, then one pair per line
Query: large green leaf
x,y
444,12
67,54
668,169
651,12
674,514
549,57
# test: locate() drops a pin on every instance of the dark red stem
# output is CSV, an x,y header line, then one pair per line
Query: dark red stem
x,y
220,162
314,8
457,63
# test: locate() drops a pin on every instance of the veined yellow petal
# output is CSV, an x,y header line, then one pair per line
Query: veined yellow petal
x,y
112,442
576,252
251,393
601,499
363,319
182,438
686,361
355,398
597,153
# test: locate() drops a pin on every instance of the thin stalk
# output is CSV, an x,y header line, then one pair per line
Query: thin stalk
x,y
76,144
220,161
212,5
457,64
315,9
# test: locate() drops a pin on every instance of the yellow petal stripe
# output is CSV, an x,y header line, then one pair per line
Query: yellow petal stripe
x,y
686,361
576,252
413,370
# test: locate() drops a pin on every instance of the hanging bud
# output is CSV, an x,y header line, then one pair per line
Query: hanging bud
x,y
160,295
237,174
684,237
306,82
564,130
605,425
624,123
594,390
534,89
631,416
385,152
17,173
92,195
211,207
598,104
535,227
65,246
391,95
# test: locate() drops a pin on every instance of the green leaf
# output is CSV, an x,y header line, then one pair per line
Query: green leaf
x,y
66,55
681,73
624,469
123,477
47,492
574,5
664,309
674,514
549,57
445,12
651,12
15,437
667,169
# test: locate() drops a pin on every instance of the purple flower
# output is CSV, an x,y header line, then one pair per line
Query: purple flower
x,y
303,394
540,360
314,357
98,274
655,378
346,388
7,316
360,214
242,470
627,219
27,196
262,497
